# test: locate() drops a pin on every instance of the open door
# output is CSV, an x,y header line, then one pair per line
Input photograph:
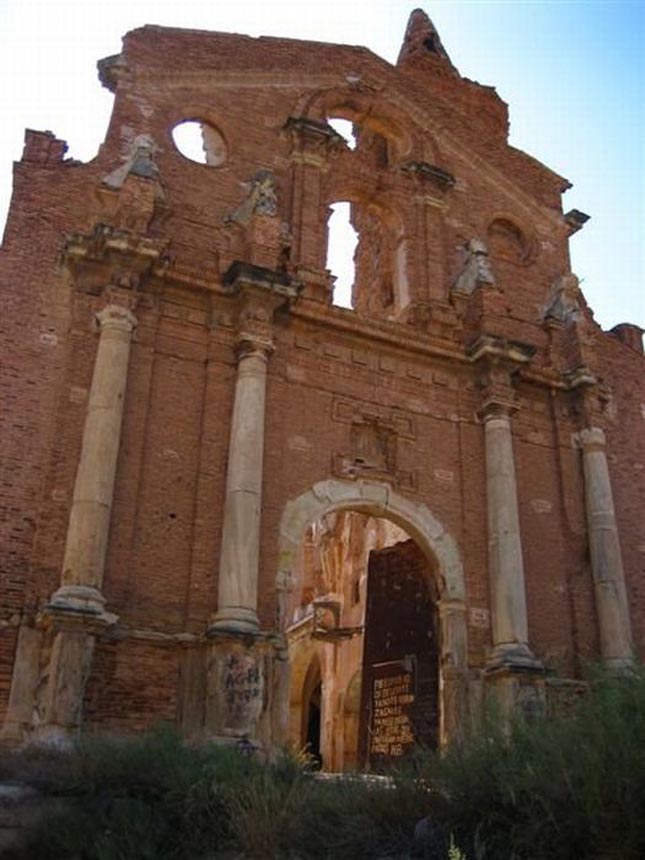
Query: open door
x,y
311,713
400,691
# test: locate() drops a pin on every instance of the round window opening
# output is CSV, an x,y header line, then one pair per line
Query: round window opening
x,y
200,142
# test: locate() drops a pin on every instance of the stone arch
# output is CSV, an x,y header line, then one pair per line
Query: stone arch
x,y
365,107
380,500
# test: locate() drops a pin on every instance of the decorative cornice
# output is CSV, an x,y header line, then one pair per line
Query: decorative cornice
x,y
440,179
313,131
580,377
489,346
106,241
241,275
575,220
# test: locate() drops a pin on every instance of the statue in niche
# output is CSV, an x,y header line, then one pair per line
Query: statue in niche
x,y
476,269
331,556
262,199
374,265
564,301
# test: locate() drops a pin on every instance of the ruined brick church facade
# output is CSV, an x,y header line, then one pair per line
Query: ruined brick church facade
x,y
229,503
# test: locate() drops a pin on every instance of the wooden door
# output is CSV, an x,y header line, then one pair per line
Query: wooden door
x,y
400,691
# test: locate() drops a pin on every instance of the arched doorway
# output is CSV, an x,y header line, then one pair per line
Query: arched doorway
x,y
311,713
327,617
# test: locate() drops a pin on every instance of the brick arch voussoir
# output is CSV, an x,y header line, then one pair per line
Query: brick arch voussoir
x,y
380,500
369,107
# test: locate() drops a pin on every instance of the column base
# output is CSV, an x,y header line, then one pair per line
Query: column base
x,y
54,737
518,691
515,656
234,619
84,599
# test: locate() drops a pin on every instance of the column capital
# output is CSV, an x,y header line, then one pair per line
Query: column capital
x,y
498,362
496,407
255,324
591,439
251,344
260,293
116,316
498,398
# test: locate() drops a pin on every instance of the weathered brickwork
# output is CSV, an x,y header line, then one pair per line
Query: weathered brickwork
x,y
162,460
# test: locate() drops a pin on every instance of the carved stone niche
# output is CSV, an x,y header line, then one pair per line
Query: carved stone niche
x,y
372,453
373,446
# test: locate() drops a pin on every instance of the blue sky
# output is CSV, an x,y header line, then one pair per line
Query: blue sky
x,y
572,71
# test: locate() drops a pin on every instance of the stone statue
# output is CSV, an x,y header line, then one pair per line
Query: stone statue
x,y
564,301
139,162
261,198
476,268
374,259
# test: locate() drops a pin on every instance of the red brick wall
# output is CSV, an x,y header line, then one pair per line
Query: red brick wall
x,y
161,571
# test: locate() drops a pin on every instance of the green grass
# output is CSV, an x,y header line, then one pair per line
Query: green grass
x,y
566,789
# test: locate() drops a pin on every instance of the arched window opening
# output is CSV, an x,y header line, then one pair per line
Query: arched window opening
x,y
369,139
346,129
200,142
341,248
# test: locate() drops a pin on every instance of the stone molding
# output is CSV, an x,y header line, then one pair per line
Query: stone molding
x,y
380,500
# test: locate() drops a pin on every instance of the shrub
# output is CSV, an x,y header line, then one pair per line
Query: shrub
x,y
560,789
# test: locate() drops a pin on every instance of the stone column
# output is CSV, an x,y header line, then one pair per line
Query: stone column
x,y
238,683
239,560
506,567
77,608
606,560
89,520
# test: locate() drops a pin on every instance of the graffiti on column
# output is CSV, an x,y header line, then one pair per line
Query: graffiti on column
x,y
242,683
